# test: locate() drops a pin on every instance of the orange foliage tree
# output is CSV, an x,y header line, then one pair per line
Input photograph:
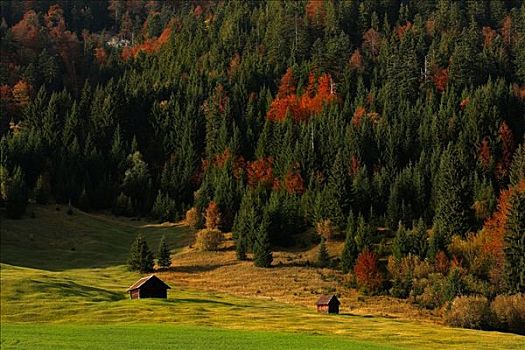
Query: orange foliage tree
x,y
148,46
21,93
301,107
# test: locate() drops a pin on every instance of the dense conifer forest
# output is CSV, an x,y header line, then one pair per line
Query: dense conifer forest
x,y
394,126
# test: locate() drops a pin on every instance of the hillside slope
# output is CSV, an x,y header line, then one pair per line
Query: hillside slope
x,y
44,282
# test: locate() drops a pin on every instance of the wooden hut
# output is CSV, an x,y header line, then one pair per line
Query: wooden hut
x,y
149,287
328,304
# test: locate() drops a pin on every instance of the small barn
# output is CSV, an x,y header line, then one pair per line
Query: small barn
x,y
149,287
328,304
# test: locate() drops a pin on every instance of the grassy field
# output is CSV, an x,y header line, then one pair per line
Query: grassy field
x,y
54,296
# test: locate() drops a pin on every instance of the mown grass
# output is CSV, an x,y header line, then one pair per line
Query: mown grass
x,y
148,336
81,303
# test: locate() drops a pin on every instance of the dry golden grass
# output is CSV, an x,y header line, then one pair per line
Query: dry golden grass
x,y
290,280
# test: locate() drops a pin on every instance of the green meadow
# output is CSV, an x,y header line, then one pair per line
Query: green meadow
x,y
64,281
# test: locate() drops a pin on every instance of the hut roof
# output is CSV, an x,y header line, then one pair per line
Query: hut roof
x,y
326,299
143,280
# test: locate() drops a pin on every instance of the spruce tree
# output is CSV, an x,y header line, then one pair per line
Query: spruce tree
x,y
323,258
400,245
350,252
163,254
452,202
262,254
141,258
515,243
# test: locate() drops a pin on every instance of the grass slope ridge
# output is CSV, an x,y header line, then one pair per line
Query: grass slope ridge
x,y
68,300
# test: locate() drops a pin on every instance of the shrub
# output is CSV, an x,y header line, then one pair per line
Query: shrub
x,y
192,218
325,228
366,272
509,313
209,239
469,312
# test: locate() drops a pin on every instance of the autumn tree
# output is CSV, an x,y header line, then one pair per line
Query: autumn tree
x,y
366,272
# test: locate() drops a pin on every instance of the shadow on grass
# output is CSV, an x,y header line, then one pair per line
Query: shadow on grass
x,y
67,289
195,268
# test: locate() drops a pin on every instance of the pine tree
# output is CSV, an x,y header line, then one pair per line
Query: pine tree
x,y
515,242
262,254
323,258
141,258
350,252
163,253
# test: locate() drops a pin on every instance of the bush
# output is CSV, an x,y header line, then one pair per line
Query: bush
x,y
509,313
366,272
469,312
207,239
192,218
325,228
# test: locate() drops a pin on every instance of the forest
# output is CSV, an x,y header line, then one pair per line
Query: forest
x,y
395,126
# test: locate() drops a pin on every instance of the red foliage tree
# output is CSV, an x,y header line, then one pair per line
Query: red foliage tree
x,y
212,216
507,149
484,154
440,79
260,173
366,271
356,60
372,41
489,35
442,264
294,182
316,12
402,29
359,112
101,55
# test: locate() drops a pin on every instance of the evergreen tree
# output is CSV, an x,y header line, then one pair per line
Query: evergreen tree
x,y
141,258
515,243
453,193
400,245
163,254
323,258
262,254
42,190
350,252
16,195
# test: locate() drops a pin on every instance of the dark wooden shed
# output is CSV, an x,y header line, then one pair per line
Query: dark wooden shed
x,y
328,304
149,287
